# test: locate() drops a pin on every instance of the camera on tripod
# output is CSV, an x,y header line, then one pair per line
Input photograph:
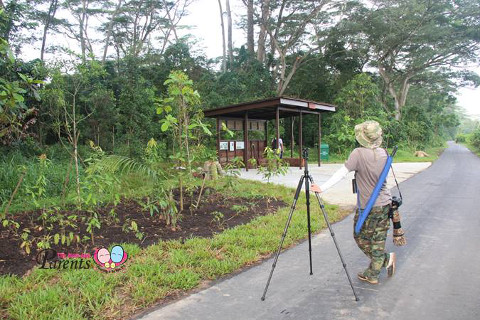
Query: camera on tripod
x,y
305,153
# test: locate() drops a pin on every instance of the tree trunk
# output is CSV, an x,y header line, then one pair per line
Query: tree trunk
x,y
81,33
66,181
180,181
399,97
262,36
187,147
75,149
170,19
229,30
250,31
285,81
51,14
277,29
224,60
14,193
110,29
98,135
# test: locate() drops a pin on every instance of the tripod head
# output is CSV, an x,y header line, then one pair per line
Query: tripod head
x,y
305,158
305,153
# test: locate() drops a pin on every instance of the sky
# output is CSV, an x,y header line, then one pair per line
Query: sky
x,y
204,16
469,99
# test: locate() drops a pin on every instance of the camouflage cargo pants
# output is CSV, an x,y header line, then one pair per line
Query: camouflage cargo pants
x,y
371,239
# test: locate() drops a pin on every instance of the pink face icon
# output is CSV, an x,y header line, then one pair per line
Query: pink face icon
x,y
103,255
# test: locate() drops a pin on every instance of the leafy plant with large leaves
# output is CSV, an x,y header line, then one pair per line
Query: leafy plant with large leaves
x,y
15,115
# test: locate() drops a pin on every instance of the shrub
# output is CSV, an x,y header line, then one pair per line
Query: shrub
x,y
461,138
475,138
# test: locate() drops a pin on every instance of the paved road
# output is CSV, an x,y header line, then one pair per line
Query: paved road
x,y
438,272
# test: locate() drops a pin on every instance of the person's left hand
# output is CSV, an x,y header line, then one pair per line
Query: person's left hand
x,y
315,188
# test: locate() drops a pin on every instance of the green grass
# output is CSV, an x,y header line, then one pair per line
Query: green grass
x,y
472,148
159,270
403,155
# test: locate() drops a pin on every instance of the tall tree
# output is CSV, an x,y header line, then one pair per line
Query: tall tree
x,y
47,22
264,17
410,37
176,11
109,29
224,46
295,32
250,27
141,21
81,11
229,32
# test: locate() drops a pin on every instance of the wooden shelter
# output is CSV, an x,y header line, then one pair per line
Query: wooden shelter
x,y
253,116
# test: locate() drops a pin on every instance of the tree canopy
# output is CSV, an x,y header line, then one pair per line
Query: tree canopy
x,y
397,61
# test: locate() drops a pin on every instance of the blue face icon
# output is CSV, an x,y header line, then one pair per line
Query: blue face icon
x,y
116,254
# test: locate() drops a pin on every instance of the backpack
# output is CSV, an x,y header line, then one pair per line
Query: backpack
x,y
274,143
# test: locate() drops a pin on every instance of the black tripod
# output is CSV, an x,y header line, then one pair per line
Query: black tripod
x,y
308,179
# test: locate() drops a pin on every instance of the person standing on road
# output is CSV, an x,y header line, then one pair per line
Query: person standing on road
x,y
368,162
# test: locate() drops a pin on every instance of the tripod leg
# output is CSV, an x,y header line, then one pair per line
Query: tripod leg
x,y
287,224
325,216
307,195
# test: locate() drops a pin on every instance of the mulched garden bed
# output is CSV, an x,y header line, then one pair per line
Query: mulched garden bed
x,y
216,212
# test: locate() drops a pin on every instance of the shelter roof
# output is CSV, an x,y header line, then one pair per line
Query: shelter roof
x,y
266,109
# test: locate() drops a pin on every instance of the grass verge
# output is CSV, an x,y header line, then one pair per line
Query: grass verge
x,y
403,155
472,148
167,268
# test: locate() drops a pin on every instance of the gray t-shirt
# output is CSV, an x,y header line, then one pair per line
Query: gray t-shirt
x,y
368,164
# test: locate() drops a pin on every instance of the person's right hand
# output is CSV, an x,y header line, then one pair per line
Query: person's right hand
x,y
315,188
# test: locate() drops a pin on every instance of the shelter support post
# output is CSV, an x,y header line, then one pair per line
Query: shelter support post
x,y
291,136
218,139
319,138
266,134
246,147
277,127
300,139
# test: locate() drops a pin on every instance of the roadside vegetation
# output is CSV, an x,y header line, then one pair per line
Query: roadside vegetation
x,y
471,139
168,268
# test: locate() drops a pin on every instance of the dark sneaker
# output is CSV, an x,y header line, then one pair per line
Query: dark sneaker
x,y
391,264
363,277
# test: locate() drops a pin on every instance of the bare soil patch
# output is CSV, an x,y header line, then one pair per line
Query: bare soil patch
x,y
215,213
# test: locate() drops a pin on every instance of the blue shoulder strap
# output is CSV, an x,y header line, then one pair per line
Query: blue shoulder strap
x,y
376,191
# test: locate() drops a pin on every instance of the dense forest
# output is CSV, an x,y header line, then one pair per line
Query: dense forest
x,y
134,78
